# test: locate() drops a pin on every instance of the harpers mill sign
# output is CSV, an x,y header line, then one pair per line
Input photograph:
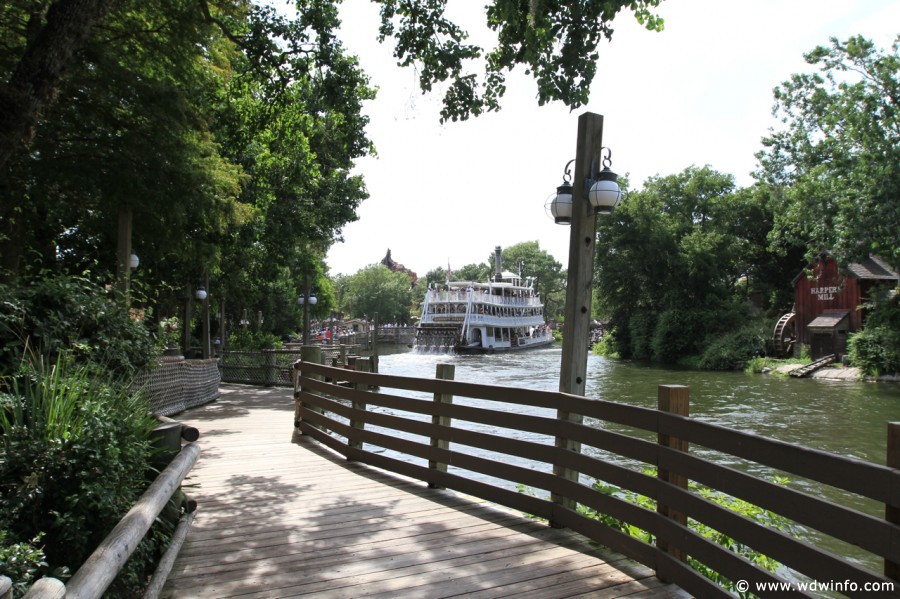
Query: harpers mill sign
x,y
824,294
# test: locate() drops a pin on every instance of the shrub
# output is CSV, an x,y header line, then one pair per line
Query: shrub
x,y
249,340
607,346
74,315
676,334
732,351
75,458
739,506
876,350
24,562
640,335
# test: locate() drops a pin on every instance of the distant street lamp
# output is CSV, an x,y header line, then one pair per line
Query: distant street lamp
x,y
203,297
133,261
597,193
313,300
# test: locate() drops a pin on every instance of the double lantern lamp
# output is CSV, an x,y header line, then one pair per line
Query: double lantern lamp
x,y
602,191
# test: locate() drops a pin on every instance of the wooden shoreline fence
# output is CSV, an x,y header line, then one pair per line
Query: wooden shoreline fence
x,y
342,410
274,367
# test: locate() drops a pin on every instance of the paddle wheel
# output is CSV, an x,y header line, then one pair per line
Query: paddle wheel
x,y
785,335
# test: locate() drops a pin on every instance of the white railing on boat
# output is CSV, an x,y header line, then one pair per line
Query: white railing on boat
x,y
481,297
506,321
522,341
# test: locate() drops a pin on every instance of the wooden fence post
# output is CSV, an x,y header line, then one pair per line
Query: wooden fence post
x,y
891,513
362,365
269,377
675,399
308,353
444,372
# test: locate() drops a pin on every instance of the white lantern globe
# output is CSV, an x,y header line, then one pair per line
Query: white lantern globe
x,y
605,194
561,205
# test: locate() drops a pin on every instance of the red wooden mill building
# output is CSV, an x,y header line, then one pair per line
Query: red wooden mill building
x,y
827,305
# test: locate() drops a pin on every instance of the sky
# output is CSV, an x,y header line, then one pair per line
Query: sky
x,y
698,93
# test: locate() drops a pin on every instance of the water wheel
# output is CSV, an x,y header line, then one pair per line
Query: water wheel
x,y
785,335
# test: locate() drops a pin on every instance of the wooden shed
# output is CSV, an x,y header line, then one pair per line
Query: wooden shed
x,y
827,303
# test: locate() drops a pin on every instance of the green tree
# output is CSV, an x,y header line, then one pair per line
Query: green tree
x,y
528,259
377,289
472,272
672,263
836,163
127,136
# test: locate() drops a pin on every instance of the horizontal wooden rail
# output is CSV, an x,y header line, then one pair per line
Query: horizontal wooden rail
x,y
439,430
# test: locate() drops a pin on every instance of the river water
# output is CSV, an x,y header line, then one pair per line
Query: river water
x,y
848,418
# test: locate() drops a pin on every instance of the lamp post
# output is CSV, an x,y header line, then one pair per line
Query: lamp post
x,y
306,301
595,192
203,297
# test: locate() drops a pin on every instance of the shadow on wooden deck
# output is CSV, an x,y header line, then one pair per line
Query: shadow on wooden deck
x,y
282,516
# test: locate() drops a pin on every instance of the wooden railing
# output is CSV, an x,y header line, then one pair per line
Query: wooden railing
x,y
274,367
399,335
448,427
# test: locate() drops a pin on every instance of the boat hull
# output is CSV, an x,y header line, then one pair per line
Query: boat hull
x,y
463,349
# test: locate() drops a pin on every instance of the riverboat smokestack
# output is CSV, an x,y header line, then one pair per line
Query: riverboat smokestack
x,y
498,263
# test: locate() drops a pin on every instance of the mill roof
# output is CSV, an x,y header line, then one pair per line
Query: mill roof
x,y
873,267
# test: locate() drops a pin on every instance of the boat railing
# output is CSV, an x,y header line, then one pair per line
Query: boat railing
x,y
481,297
448,296
523,341
506,321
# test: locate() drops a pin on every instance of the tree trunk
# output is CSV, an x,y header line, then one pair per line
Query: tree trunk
x,y
34,83
31,88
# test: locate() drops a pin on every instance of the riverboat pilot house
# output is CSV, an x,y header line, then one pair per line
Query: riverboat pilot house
x,y
828,305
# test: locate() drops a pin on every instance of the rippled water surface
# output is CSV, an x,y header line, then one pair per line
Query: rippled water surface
x,y
849,418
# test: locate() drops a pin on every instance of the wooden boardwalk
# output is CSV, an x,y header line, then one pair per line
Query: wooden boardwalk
x,y
284,517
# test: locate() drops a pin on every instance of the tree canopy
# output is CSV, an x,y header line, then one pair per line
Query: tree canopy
x,y
224,132
836,162
375,289
677,263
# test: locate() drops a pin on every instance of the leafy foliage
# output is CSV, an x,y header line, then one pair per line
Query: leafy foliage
x,y
732,351
837,161
72,315
706,240
375,289
555,41
24,562
876,349
737,505
74,460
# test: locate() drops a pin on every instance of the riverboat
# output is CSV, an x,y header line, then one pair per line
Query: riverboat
x,y
502,314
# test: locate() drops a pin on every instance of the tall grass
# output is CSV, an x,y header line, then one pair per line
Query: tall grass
x,y
46,400
74,458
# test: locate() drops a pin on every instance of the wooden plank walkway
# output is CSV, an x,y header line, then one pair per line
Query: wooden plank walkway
x,y
284,517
